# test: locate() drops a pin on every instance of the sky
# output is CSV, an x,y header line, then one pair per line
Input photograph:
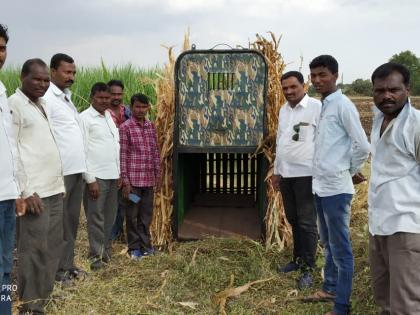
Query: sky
x,y
360,34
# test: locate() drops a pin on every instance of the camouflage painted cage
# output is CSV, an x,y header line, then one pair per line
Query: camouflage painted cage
x,y
220,99
220,121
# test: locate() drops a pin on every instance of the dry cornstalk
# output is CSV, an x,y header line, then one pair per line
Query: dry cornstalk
x,y
220,298
160,229
278,231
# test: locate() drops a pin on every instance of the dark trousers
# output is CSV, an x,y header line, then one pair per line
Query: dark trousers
x,y
395,269
118,227
100,215
7,238
300,211
39,251
138,218
71,215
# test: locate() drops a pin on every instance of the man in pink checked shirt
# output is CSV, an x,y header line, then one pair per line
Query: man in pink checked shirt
x,y
140,173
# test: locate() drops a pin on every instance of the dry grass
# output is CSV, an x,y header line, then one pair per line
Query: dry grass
x,y
193,276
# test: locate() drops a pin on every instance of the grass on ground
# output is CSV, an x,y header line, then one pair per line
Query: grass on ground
x,y
185,279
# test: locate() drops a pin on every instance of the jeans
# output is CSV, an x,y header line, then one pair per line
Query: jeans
x,y
7,234
334,218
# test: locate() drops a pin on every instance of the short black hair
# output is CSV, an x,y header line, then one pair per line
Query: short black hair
x,y
26,68
295,74
98,87
326,61
3,32
116,83
387,68
139,97
58,58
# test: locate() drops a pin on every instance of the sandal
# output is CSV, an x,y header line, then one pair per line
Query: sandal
x,y
319,296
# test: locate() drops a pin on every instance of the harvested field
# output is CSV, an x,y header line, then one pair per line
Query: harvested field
x,y
187,278
364,105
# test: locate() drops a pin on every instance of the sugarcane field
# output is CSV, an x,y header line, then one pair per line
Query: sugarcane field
x,y
181,157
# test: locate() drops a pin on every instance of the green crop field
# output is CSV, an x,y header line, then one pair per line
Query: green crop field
x,y
135,79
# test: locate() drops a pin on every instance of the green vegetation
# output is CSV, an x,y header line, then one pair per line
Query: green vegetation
x,y
136,80
412,62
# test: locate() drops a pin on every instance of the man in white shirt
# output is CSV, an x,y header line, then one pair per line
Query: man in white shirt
x,y
298,119
68,133
341,148
394,193
41,228
10,201
100,198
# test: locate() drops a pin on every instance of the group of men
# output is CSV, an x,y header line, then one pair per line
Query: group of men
x,y
51,158
321,148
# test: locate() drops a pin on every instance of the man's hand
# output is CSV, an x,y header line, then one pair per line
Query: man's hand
x,y
126,190
34,204
93,190
275,182
119,183
358,178
20,207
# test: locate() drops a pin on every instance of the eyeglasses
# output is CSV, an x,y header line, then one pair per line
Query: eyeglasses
x,y
296,129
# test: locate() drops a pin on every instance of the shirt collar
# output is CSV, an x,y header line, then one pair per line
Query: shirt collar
x,y
377,114
39,102
58,92
94,112
332,96
134,121
303,102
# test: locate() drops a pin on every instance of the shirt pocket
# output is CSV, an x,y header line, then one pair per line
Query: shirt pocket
x,y
330,126
304,131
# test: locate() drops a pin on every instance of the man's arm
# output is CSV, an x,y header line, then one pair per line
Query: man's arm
x,y
124,151
275,178
88,176
360,144
32,201
417,145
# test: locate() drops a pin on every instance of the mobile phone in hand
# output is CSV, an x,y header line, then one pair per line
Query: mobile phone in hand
x,y
134,198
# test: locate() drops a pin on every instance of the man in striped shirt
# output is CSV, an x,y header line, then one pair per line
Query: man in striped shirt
x,y
140,173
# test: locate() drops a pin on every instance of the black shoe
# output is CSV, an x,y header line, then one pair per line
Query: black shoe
x,y
291,266
97,264
77,273
305,281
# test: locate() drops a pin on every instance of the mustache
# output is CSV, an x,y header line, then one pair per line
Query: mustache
x,y
70,81
387,102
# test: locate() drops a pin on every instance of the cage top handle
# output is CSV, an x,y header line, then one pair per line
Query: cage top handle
x,y
221,44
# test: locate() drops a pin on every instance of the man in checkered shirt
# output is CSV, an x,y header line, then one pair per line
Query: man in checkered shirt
x,y
140,173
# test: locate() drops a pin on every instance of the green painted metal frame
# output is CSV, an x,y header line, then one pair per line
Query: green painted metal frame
x,y
179,162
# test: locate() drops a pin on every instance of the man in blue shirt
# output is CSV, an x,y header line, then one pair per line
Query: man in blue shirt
x,y
341,148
